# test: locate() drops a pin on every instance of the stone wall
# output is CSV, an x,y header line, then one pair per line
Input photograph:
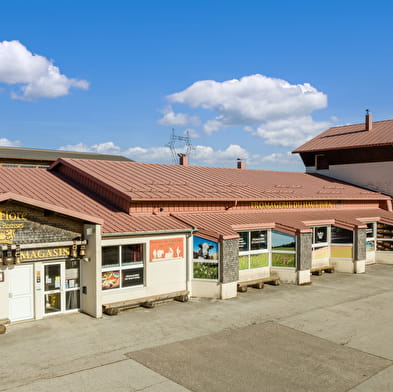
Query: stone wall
x,y
360,245
304,251
229,260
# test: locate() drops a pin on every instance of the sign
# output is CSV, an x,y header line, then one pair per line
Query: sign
x,y
111,280
9,222
132,277
204,249
167,249
291,204
46,253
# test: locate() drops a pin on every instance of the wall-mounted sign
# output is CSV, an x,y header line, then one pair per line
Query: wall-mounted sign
x,y
167,249
46,253
204,249
291,204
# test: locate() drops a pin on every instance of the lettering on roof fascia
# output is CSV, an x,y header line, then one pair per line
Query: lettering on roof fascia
x,y
291,204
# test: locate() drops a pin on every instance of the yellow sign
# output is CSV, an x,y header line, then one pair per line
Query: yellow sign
x,y
9,222
47,253
291,204
6,215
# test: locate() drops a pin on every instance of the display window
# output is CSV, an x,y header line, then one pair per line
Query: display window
x,y
320,243
384,237
253,249
341,236
370,237
283,249
205,259
122,266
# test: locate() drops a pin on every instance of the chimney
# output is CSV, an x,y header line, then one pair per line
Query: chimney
x,y
369,121
183,161
241,163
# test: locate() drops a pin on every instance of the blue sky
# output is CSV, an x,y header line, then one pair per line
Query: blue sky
x,y
248,79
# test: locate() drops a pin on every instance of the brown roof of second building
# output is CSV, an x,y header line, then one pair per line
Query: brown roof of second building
x,y
46,190
351,136
148,181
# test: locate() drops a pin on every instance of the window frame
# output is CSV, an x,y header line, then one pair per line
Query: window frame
x,y
122,267
250,252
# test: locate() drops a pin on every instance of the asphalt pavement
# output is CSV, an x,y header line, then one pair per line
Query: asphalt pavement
x,y
334,335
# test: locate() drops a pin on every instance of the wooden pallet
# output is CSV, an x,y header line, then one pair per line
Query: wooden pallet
x,y
319,270
258,283
147,302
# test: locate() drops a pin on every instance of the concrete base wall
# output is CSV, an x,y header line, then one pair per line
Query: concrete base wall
x,y
360,266
205,289
286,275
254,274
303,277
228,290
384,257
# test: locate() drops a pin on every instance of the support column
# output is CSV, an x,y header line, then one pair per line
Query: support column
x,y
359,252
304,257
229,267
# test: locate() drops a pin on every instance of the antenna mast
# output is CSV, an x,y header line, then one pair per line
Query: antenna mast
x,y
176,138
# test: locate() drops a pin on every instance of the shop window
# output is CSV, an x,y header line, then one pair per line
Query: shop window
x,y
341,236
205,259
384,237
320,243
283,250
253,249
122,266
341,243
370,237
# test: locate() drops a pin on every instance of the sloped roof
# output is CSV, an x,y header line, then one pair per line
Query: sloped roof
x,y
46,190
51,155
226,224
350,136
148,181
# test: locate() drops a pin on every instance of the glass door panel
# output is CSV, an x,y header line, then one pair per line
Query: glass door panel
x,y
53,288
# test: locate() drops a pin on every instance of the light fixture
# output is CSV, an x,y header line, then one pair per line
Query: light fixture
x,y
9,258
17,254
74,251
82,250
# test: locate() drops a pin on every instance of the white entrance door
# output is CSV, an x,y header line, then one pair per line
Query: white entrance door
x,y
20,293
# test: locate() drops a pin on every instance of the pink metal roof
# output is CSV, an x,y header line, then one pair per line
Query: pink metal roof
x,y
45,190
351,136
148,181
226,224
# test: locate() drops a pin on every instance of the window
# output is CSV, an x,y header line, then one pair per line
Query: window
x,y
283,249
321,162
205,259
320,243
341,236
341,243
253,249
384,237
122,266
370,237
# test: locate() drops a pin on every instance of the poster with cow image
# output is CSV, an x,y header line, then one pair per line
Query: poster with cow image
x,y
205,256
167,249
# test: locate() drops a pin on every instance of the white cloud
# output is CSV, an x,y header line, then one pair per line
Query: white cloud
x,y
37,75
180,119
289,132
9,143
200,155
257,101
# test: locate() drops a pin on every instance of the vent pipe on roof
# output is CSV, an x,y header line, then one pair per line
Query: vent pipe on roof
x,y
369,121
241,163
183,161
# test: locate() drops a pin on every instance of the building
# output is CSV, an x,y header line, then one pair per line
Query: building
x,y
33,157
89,233
360,154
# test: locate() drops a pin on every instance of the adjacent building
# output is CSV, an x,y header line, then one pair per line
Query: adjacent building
x,y
88,233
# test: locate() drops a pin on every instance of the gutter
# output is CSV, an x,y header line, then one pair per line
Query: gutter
x,y
137,233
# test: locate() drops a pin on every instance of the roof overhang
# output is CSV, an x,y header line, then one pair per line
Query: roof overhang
x,y
51,207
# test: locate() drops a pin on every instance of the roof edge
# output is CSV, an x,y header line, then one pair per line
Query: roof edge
x,y
51,207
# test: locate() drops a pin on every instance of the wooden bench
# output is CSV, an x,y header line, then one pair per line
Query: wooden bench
x,y
147,302
319,270
258,283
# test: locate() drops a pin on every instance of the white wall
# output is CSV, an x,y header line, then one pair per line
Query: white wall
x,y
4,294
161,277
375,176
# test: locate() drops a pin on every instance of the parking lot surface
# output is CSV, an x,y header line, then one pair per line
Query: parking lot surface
x,y
334,335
